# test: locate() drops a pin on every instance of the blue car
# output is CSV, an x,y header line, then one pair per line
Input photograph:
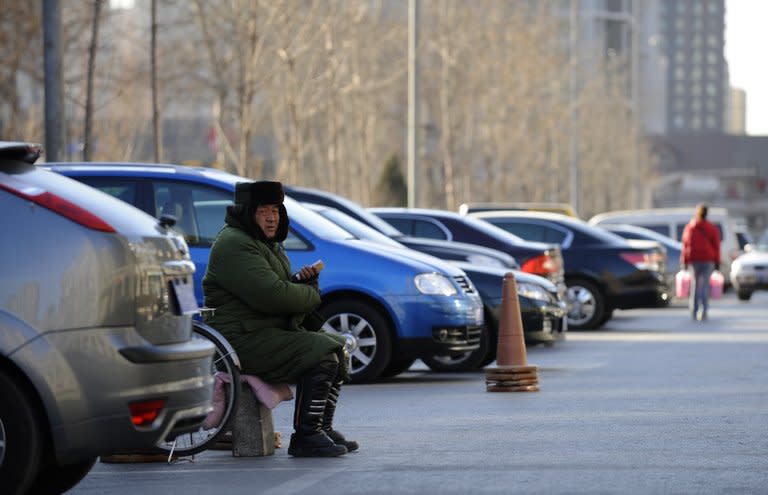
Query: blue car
x,y
391,309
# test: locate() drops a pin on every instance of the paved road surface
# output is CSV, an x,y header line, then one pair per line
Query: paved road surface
x,y
652,404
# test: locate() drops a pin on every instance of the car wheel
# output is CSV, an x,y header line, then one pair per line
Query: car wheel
x,y
744,295
54,479
368,337
21,439
606,316
587,305
465,361
394,368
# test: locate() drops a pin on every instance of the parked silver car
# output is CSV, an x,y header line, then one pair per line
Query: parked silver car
x,y
96,347
749,272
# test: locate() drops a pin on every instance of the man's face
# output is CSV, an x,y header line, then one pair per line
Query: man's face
x,y
267,217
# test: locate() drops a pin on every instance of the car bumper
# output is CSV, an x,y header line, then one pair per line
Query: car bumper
x,y
417,317
751,281
543,322
650,290
88,401
445,341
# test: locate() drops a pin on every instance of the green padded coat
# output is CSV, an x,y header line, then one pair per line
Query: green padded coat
x,y
259,310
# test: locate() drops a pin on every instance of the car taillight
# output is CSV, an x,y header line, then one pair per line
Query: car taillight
x,y
58,205
644,261
540,265
146,412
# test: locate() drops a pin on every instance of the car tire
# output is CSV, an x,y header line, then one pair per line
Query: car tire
x,y
21,438
744,295
54,479
467,361
587,305
369,333
606,317
395,367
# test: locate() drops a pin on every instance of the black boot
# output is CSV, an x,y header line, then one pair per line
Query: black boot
x,y
330,409
312,390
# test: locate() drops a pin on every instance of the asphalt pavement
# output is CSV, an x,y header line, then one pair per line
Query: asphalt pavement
x,y
653,403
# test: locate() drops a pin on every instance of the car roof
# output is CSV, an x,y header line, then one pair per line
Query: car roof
x,y
563,208
417,211
535,215
129,168
656,214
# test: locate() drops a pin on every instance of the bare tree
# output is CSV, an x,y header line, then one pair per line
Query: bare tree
x,y
92,52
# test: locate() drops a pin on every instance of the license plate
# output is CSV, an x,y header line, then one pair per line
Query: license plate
x,y
185,297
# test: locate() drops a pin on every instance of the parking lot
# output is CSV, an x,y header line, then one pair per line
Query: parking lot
x,y
651,403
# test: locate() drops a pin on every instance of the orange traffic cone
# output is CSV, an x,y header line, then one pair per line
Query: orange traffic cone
x,y
512,372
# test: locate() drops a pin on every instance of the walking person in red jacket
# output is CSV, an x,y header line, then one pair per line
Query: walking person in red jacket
x,y
701,251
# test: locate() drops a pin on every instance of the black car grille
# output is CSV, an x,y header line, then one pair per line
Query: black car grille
x,y
465,284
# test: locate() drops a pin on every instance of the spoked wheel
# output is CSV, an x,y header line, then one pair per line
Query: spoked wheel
x,y
587,305
226,395
367,334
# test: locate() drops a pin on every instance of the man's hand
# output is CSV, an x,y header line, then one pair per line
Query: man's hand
x,y
306,272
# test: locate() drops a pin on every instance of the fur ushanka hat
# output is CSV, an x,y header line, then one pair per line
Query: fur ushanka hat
x,y
249,195
259,193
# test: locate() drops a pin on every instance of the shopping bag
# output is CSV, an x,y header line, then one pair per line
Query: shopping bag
x,y
716,285
682,284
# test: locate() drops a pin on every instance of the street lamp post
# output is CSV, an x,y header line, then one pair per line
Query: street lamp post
x,y
413,104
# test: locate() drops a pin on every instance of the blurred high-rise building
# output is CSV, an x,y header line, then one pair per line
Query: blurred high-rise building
x,y
693,41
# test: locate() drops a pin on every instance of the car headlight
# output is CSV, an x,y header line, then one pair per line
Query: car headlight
x,y
532,291
481,259
434,284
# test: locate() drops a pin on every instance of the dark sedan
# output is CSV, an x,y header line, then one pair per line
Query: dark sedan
x,y
543,312
538,258
603,271
448,251
673,247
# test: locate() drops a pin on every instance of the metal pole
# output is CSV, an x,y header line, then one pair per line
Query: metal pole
x,y
413,104
634,25
54,85
158,138
572,90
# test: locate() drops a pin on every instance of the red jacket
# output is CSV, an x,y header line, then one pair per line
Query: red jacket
x,y
701,242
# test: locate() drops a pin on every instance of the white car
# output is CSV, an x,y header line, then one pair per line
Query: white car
x,y
749,272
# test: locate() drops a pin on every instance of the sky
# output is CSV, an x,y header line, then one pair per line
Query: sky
x,y
746,39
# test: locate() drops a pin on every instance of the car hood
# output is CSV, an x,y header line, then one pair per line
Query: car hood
x,y
420,261
753,258
460,247
519,275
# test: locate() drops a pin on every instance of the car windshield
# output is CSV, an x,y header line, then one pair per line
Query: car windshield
x,y
492,230
373,220
315,223
355,227
633,232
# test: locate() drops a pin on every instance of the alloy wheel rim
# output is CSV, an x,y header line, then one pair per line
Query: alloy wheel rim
x,y
583,305
360,337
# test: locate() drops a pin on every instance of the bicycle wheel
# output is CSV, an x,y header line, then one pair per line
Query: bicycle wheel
x,y
204,437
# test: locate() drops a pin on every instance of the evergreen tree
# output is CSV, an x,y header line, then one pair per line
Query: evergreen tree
x,y
391,189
